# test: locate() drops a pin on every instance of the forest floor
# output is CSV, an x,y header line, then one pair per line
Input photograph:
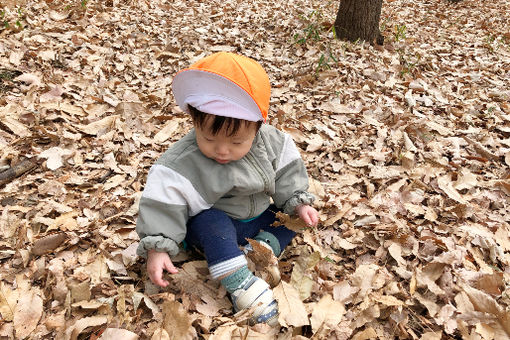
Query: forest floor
x,y
407,146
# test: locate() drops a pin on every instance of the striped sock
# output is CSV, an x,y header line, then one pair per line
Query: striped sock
x,y
220,269
237,279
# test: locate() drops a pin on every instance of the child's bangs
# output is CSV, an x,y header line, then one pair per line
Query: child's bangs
x,y
219,123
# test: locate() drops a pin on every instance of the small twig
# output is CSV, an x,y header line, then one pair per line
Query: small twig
x,y
16,171
103,178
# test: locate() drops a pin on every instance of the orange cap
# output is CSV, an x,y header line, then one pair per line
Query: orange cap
x,y
224,84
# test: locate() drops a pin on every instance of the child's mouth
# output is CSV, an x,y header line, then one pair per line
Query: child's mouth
x,y
221,161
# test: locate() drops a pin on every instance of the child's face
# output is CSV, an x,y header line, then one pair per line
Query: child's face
x,y
223,148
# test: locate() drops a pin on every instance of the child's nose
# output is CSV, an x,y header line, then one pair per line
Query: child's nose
x,y
221,149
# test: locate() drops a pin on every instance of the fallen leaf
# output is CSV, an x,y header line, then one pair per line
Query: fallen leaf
x,y
8,299
177,321
445,184
292,309
54,157
99,127
160,334
368,333
168,130
327,313
73,331
118,333
48,243
27,313
295,224
29,78
432,335
314,143
483,302
395,251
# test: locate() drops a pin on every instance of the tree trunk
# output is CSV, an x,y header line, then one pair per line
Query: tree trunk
x,y
359,19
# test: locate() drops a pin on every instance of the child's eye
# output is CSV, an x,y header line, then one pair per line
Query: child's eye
x,y
208,139
237,143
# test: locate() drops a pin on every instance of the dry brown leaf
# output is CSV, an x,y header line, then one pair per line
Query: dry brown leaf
x,y
54,157
209,307
388,300
177,321
118,333
233,332
292,310
431,305
368,333
316,188
8,299
80,325
160,334
97,270
483,302
30,78
300,277
465,180
314,143
16,127
168,130
48,243
338,215
327,313
364,278
445,183
335,106
482,150
395,251
428,276
80,291
261,255
266,263
56,321
99,127
344,292
138,297
27,313
293,223
432,335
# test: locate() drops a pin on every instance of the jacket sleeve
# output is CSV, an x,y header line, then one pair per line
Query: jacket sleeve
x,y
291,178
166,204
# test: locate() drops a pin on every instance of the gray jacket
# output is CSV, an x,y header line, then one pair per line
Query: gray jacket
x,y
183,182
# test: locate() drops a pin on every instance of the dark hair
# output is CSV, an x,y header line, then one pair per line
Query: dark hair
x,y
231,125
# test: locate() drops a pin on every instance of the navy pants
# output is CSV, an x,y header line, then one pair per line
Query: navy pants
x,y
219,236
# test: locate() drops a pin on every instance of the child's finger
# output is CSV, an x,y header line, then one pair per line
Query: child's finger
x,y
157,278
160,282
170,268
307,219
315,219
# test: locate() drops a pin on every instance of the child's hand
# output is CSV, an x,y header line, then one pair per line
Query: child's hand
x,y
308,214
156,263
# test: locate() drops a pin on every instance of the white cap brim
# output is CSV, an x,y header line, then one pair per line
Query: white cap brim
x,y
213,94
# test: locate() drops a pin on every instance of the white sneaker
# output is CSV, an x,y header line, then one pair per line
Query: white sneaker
x,y
256,293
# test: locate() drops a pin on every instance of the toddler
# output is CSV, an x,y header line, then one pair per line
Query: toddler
x,y
213,188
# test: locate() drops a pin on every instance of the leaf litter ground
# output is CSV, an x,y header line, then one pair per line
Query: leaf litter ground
x,y
407,146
